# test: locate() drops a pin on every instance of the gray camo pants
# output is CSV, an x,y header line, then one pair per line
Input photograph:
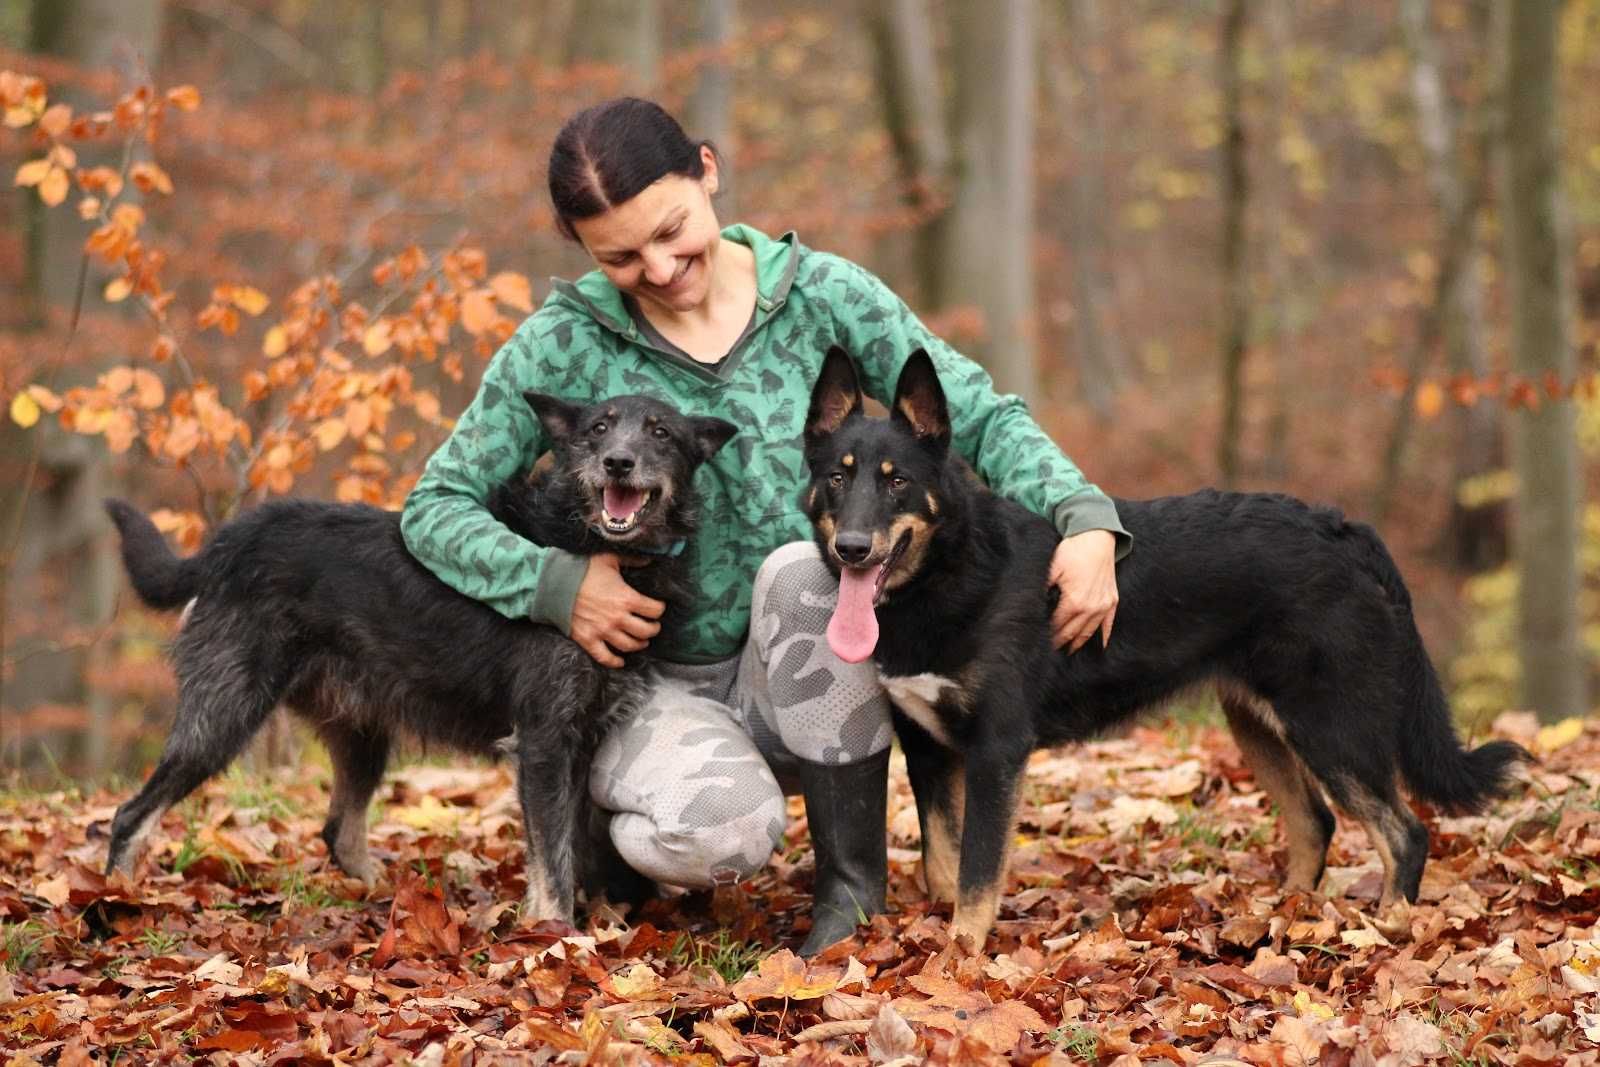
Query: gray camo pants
x,y
697,776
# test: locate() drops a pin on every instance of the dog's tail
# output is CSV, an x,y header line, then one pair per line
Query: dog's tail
x,y
162,580
1435,763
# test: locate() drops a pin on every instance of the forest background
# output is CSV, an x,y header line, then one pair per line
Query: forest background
x,y
266,246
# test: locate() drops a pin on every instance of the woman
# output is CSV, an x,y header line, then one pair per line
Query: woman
x,y
730,323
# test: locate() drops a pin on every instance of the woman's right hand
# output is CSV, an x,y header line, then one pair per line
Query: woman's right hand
x,y
610,616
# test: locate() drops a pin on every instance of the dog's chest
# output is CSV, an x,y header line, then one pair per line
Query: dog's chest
x,y
932,701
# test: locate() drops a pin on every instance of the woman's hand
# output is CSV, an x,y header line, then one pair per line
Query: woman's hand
x,y
1084,568
610,616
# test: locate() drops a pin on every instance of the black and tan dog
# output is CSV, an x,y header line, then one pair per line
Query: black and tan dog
x,y
320,607
1298,616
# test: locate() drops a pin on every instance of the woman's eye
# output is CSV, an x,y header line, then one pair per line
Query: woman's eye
x,y
836,480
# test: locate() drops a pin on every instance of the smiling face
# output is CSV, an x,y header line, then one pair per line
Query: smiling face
x,y
633,458
660,247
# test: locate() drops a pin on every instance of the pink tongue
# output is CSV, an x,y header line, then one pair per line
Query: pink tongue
x,y
621,503
853,630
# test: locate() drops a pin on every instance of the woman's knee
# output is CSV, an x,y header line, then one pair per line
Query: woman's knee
x,y
713,841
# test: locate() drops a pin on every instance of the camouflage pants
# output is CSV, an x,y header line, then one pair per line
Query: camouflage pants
x,y
697,777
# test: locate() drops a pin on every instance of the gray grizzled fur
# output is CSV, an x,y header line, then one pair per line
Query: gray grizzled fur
x,y
319,607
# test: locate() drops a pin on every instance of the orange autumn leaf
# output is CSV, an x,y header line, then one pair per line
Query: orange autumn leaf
x,y
1429,400
150,178
378,338
513,290
785,975
329,433
184,97
477,311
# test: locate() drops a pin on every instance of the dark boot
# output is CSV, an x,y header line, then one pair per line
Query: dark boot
x,y
846,805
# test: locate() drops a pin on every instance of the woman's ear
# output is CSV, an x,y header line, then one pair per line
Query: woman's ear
x,y
711,180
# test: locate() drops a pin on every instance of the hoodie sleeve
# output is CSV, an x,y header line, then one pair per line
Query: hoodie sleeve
x,y
993,431
446,522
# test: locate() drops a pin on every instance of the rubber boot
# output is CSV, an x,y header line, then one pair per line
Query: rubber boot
x,y
846,805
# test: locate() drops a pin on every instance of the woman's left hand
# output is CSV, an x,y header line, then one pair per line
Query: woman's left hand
x,y
1084,568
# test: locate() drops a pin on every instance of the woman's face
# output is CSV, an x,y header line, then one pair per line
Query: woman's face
x,y
660,247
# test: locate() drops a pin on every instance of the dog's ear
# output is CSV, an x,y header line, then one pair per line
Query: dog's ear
x,y
836,394
559,417
710,435
919,400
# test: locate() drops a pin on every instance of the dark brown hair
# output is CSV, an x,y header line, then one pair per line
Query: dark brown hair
x,y
607,154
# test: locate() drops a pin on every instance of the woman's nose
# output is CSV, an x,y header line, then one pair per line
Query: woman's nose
x,y
659,266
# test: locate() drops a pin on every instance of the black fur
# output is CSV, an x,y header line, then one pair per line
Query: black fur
x,y
320,607
1298,614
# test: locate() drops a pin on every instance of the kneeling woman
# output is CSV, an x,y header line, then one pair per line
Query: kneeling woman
x,y
732,323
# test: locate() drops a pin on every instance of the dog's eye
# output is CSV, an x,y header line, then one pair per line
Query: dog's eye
x,y
598,428
662,434
897,482
836,480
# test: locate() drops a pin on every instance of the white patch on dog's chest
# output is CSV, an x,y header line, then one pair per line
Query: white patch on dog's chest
x,y
917,696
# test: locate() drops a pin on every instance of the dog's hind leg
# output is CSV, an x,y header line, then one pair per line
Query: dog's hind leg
x,y
1307,823
939,784
358,757
218,714
1361,775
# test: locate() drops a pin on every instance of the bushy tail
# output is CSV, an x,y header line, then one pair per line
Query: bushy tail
x,y
1436,765
162,580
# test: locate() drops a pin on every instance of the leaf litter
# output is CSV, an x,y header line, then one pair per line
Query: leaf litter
x,y
1143,923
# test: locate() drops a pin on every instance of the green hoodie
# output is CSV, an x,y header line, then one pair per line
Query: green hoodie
x,y
582,345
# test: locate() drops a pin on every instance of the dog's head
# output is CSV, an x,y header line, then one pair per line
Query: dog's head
x,y
877,493
632,459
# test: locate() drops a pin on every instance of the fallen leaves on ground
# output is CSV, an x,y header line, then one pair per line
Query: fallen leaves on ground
x,y
1143,924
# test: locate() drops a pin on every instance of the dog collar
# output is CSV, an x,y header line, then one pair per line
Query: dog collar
x,y
674,550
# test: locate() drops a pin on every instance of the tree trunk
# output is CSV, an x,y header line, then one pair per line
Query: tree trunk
x,y
621,33
1101,359
1275,266
1235,283
987,254
709,114
913,110
1476,534
53,525
1545,536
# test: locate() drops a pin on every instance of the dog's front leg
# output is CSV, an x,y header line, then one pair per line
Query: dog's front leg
x,y
545,788
938,783
993,790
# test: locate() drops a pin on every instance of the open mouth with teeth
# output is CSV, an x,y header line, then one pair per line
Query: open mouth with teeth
x,y
622,507
853,629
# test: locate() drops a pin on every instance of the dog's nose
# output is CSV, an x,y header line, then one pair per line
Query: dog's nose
x,y
853,547
618,465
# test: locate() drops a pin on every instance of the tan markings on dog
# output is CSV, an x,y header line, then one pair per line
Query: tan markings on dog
x,y
941,843
825,526
976,909
886,467
933,504
1384,829
849,460
917,696
910,561
1280,774
611,413
811,498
